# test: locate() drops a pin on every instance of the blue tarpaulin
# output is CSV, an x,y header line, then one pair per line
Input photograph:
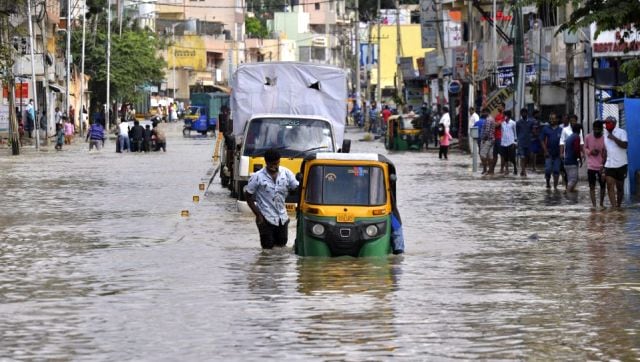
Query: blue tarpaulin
x,y
632,118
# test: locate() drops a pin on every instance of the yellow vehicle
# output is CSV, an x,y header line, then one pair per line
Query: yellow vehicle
x,y
402,134
345,205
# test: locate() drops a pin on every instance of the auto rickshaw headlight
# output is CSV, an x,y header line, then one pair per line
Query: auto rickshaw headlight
x,y
317,229
371,230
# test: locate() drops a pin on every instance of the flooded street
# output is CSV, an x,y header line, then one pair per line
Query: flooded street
x,y
96,262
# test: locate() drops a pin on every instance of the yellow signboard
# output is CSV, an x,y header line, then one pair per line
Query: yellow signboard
x,y
188,51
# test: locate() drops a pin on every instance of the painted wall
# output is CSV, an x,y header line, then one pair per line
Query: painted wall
x,y
411,47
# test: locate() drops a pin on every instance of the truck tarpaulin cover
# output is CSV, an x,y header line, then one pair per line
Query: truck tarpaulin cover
x,y
290,88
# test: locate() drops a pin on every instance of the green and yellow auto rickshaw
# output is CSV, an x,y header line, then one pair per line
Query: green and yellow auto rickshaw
x,y
345,206
402,134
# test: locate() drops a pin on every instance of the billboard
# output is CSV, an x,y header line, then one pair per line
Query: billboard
x,y
188,52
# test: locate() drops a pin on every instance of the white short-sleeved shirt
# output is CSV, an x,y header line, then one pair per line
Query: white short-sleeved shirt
x,y
508,133
566,132
616,155
270,196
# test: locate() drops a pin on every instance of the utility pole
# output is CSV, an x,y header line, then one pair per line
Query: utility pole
x,y
400,84
357,35
570,79
68,65
441,57
378,84
84,30
108,105
33,77
45,81
10,81
365,107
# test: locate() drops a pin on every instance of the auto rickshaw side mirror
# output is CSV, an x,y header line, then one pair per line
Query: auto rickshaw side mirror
x,y
299,177
393,177
346,146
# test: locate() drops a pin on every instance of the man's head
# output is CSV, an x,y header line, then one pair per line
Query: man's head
x,y
484,112
573,119
576,128
507,114
524,113
598,127
472,110
610,123
272,158
501,107
136,123
445,109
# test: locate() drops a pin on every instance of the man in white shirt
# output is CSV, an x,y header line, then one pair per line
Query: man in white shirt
x,y
508,144
566,132
615,166
445,119
473,118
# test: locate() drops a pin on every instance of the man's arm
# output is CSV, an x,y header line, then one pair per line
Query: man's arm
x,y
251,202
618,141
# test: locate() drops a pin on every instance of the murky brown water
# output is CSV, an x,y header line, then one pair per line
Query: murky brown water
x,y
96,263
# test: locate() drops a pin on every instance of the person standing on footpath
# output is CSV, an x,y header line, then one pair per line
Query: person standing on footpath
x,y
445,119
508,144
550,142
95,136
524,132
31,118
615,166
596,154
266,193
487,140
473,119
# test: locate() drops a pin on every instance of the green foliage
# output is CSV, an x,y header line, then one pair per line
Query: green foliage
x,y
134,62
256,28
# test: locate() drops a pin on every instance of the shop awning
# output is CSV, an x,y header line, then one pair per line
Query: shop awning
x,y
57,88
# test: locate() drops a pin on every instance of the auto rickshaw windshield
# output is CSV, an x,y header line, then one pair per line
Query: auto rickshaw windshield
x,y
407,123
193,111
346,185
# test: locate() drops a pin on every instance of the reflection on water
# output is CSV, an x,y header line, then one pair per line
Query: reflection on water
x,y
96,263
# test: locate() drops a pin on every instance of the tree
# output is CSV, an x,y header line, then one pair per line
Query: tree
x,y
134,62
610,15
256,28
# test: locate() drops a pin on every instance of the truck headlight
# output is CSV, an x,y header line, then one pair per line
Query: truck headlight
x,y
371,230
317,229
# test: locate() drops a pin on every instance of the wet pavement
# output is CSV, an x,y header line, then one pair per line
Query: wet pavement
x,y
97,263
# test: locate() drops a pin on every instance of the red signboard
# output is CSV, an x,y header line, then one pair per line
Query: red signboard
x,y
22,91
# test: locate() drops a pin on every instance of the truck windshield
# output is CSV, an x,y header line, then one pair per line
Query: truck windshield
x,y
346,185
291,136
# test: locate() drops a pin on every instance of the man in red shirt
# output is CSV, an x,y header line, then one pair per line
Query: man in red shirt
x,y
499,118
386,113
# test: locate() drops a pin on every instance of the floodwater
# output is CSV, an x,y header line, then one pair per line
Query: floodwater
x,y
97,263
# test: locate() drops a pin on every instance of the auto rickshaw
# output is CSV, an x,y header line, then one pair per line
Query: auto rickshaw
x,y
197,120
345,205
402,134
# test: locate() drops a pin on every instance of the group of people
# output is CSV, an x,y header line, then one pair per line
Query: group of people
x,y
141,139
564,147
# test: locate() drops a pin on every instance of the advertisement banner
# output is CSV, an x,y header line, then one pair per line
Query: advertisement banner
x,y
506,75
188,52
429,23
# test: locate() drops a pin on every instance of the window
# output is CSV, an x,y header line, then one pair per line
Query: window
x,y
346,185
317,6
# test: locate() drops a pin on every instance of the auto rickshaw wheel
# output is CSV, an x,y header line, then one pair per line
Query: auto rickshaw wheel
x,y
186,132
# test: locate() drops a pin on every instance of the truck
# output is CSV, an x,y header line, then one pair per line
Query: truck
x,y
202,113
294,107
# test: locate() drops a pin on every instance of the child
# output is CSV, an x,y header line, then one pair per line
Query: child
x,y
59,136
69,130
445,139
